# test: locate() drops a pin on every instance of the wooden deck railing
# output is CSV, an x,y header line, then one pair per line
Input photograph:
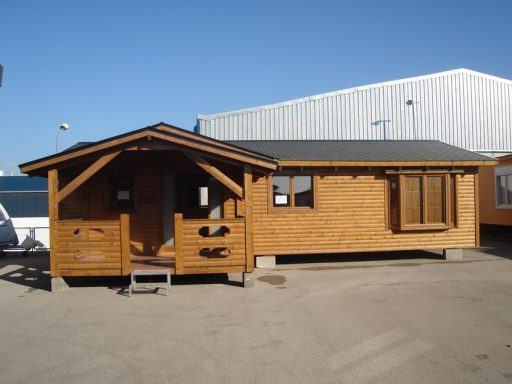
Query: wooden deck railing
x,y
93,247
209,245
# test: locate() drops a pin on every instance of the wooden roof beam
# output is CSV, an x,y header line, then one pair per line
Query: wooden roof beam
x,y
216,173
85,175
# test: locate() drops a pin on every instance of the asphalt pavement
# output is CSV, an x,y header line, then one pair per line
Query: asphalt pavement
x,y
374,318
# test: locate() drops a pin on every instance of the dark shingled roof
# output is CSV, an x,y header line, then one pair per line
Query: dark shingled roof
x,y
80,144
360,150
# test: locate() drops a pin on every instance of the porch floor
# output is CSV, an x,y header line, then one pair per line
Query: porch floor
x,y
139,262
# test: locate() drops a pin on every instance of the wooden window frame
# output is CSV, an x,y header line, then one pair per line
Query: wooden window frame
x,y
450,210
292,208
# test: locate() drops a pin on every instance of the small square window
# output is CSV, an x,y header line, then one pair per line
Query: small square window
x,y
295,191
121,192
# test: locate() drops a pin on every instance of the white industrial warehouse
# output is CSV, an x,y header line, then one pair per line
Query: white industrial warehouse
x,y
461,107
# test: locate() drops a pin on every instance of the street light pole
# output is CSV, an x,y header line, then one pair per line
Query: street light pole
x,y
411,103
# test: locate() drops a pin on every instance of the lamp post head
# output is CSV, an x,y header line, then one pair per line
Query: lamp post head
x,y
63,127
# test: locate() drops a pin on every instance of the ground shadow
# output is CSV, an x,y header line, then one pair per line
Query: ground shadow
x,y
218,278
497,246
358,256
31,269
121,283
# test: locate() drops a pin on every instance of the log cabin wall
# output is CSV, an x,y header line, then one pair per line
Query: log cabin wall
x,y
90,201
351,217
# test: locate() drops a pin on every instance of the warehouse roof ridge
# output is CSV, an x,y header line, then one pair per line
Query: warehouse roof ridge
x,y
352,90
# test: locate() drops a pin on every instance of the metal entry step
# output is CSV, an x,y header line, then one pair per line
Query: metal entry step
x,y
150,284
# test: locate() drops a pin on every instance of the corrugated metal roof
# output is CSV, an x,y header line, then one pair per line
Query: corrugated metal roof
x,y
360,150
464,108
23,183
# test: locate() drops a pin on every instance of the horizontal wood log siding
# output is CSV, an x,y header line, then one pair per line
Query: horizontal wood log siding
x,y
90,247
191,242
90,202
351,217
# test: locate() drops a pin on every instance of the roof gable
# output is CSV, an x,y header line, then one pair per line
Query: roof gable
x,y
165,133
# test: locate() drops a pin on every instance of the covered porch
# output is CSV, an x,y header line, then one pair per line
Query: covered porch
x,y
157,198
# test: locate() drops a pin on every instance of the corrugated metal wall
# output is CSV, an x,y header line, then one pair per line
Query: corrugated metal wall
x,y
25,204
461,107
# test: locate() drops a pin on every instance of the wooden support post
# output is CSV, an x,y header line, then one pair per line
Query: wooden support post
x,y
53,213
477,212
85,175
249,232
215,172
125,244
178,243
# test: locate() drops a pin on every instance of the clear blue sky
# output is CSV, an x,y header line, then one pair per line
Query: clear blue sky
x,y
108,67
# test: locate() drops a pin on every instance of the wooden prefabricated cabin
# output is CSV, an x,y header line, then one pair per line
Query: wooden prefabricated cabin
x,y
163,197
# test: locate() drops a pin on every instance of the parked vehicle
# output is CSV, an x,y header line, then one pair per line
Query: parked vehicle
x,y
8,237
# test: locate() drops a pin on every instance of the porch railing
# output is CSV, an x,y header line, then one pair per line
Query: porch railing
x,y
209,245
92,247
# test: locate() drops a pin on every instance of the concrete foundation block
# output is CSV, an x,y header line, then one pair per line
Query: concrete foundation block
x,y
59,284
248,280
265,261
452,254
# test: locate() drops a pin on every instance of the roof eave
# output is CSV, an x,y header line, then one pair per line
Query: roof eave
x,y
423,163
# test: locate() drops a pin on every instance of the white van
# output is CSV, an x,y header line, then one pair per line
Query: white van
x,y
8,237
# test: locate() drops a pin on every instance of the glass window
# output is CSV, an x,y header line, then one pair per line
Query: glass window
x,y
281,191
394,200
435,199
292,191
121,192
504,189
413,200
417,201
303,191
509,189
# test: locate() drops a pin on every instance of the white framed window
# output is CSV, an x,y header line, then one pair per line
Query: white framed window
x,y
503,187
